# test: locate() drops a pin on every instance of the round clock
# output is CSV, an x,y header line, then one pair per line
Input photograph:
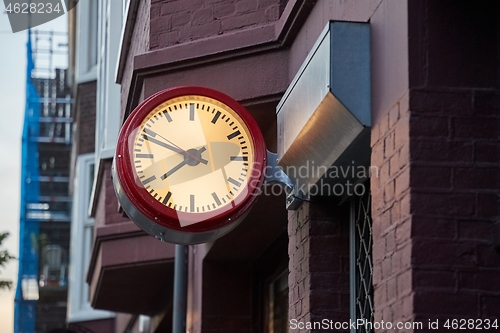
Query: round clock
x,y
189,164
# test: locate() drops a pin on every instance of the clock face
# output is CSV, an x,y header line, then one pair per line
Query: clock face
x,y
193,154
189,164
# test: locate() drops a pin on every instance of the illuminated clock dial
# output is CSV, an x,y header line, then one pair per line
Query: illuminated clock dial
x,y
189,164
192,154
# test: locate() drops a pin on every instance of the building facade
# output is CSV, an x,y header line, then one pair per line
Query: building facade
x,y
409,91
40,302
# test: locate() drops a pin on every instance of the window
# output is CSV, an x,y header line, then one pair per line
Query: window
x,y
86,35
277,304
361,263
82,230
108,92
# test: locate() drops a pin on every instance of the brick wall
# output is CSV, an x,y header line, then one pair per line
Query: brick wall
x,y
392,244
435,204
139,45
319,263
85,111
107,207
455,182
454,155
181,21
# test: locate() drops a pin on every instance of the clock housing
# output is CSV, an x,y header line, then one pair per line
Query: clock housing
x,y
189,164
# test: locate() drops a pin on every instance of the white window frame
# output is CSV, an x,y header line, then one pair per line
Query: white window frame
x,y
108,92
85,72
79,308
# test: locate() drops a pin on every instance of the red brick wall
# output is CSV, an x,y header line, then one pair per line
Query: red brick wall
x,y
139,44
107,206
392,244
319,263
454,156
435,204
455,182
85,108
180,21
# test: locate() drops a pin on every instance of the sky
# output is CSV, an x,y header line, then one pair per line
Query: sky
x,y
12,94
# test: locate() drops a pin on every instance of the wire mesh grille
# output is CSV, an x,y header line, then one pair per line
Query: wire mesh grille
x,y
363,262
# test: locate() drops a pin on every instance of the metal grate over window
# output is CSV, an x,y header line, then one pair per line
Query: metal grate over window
x,y
361,263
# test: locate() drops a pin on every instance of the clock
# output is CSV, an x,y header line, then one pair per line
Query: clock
x,y
189,164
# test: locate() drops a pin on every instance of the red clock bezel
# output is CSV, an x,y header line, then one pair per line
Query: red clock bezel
x,y
167,217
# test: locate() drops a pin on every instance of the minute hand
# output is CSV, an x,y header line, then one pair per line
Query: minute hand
x,y
163,144
174,169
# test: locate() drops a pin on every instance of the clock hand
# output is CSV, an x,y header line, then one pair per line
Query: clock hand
x,y
174,169
187,160
163,144
174,147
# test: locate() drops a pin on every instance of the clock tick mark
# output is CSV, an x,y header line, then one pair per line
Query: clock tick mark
x,y
216,117
144,155
216,198
149,180
149,132
191,111
234,181
167,197
191,203
167,116
233,135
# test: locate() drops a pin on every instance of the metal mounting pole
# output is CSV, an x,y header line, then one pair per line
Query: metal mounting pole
x,y
180,289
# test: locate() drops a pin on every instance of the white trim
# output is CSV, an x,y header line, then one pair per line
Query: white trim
x,y
84,72
87,77
79,307
107,153
90,315
108,92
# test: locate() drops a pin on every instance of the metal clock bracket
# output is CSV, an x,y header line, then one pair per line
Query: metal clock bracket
x,y
275,175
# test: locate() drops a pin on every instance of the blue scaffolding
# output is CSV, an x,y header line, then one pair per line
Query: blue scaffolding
x,y
25,305
45,202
